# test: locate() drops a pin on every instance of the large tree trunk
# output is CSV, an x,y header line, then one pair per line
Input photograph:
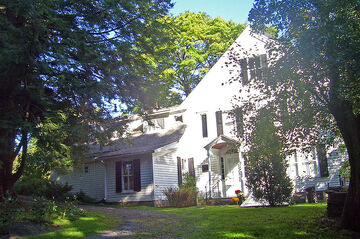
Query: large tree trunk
x,y
8,154
349,126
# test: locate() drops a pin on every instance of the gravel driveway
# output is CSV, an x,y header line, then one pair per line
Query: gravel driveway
x,y
139,223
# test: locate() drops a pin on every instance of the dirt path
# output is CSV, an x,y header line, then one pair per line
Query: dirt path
x,y
138,223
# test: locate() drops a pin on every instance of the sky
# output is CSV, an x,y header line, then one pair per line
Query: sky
x,y
236,10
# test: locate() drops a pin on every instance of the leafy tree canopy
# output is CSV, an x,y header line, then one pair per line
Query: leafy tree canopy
x,y
313,78
61,65
188,46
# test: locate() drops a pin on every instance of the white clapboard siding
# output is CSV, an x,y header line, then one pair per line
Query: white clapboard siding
x,y
335,161
146,193
165,173
91,183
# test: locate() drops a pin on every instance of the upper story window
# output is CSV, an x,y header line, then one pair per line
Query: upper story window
x,y
219,123
204,125
255,65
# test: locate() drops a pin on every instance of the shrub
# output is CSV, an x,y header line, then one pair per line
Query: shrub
x,y
180,197
38,187
43,210
10,213
82,197
71,210
57,191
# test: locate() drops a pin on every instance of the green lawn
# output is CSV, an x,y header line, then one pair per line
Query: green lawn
x,y
298,221
91,224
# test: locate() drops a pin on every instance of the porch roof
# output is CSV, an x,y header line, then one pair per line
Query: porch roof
x,y
220,141
143,144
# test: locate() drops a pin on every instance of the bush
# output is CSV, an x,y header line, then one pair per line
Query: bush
x,y
82,197
38,187
71,209
180,197
10,213
44,210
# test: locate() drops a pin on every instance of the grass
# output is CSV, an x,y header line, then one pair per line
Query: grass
x,y
298,221
90,224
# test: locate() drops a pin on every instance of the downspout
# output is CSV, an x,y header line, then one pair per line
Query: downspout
x,y
209,165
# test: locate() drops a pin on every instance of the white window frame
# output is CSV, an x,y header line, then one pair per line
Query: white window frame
x,y
123,176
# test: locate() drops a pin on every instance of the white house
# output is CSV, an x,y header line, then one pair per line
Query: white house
x,y
199,137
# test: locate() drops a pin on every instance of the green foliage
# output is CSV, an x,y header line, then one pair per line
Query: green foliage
x,y
180,197
62,65
82,197
43,210
71,209
314,77
196,43
266,163
40,187
10,213
183,196
185,49
188,182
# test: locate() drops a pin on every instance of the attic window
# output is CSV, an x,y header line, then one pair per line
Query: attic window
x,y
179,118
205,168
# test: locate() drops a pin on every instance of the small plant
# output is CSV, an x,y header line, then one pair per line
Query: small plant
x,y
240,196
44,210
82,197
71,210
235,201
180,197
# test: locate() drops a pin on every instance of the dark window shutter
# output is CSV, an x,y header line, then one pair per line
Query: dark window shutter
x,y
219,123
191,167
239,121
118,176
322,160
244,71
179,168
137,175
204,125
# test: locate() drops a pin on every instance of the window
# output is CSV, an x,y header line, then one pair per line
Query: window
x,y
86,169
127,176
322,160
222,164
204,126
179,118
296,165
255,65
205,168
219,124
